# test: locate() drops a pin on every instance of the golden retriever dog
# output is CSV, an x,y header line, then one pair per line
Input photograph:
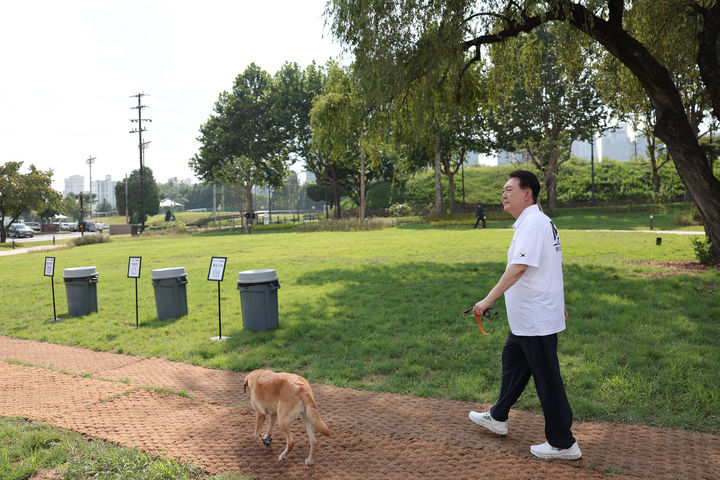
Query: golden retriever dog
x,y
284,397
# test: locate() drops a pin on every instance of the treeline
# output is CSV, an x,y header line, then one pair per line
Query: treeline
x,y
291,195
614,182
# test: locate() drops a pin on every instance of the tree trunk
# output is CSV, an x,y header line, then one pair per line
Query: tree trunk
x,y
437,208
673,126
248,197
551,187
653,164
336,193
451,190
361,209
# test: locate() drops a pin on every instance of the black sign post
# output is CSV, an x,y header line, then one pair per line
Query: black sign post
x,y
134,264
216,274
50,272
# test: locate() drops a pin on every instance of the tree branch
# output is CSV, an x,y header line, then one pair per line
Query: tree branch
x,y
707,58
616,8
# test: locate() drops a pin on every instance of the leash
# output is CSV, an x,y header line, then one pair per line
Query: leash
x,y
488,314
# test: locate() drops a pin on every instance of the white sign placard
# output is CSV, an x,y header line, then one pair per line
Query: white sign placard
x,y
134,264
217,269
49,266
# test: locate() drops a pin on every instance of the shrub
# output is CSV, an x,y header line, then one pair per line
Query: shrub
x,y
399,210
343,225
90,239
703,249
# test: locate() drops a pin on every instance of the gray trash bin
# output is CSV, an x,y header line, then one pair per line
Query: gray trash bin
x,y
258,298
170,292
81,290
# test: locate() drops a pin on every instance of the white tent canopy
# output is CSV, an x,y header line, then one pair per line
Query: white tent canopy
x,y
166,202
59,217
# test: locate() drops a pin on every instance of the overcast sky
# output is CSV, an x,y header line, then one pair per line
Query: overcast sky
x,y
68,70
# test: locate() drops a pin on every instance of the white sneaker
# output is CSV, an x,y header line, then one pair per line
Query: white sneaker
x,y
484,419
546,450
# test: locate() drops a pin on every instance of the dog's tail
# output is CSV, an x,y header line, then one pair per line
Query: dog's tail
x,y
312,413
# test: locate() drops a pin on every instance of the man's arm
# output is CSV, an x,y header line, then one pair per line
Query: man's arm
x,y
511,275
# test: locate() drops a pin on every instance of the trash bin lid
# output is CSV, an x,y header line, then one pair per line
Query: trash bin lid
x,y
257,276
172,272
79,272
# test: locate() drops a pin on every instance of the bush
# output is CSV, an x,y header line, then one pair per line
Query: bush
x,y
90,239
344,225
691,218
703,249
399,210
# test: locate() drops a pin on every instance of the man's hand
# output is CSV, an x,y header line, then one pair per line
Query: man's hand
x,y
481,306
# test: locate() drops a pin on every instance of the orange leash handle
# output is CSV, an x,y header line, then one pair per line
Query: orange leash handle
x,y
487,314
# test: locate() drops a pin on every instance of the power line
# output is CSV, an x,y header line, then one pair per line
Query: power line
x,y
141,148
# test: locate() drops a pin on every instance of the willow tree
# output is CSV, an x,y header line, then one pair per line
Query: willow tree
x,y
541,98
389,37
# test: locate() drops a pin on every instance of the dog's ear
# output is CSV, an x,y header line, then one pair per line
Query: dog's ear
x,y
245,384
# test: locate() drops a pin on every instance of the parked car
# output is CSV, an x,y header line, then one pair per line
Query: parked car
x,y
89,226
34,225
20,230
66,227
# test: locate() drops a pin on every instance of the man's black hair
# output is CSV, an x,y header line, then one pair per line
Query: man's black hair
x,y
527,180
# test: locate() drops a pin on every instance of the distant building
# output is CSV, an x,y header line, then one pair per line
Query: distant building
x,y
617,145
74,184
614,145
309,177
472,158
105,191
582,150
508,158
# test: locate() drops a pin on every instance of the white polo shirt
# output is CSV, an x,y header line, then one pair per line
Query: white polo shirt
x,y
536,302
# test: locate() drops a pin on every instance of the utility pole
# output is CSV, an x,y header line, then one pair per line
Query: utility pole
x,y
592,168
141,147
90,161
127,215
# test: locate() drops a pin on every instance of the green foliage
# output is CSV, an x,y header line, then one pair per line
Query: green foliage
x,y
614,182
617,182
343,225
150,194
542,98
243,142
90,239
703,250
24,192
399,210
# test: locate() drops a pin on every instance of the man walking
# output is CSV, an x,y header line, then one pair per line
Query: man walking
x,y
479,215
534,297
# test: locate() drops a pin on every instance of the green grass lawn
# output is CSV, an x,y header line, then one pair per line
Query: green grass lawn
x,y
380,310
30,447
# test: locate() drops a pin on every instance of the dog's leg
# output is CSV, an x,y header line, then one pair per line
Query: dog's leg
x,y
284,426
259,421
313,441
268,436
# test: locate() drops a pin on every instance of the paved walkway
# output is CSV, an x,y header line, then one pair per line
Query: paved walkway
x,y
375,435
16,251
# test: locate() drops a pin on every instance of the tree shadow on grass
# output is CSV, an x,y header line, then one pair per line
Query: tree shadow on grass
x,y
399,328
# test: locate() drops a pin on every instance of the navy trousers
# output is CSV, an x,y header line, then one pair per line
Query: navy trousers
x,y
536,356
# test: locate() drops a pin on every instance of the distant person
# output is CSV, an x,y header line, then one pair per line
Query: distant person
x,y
249,220
535,302
479,215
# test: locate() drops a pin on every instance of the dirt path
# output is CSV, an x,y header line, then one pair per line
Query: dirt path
x,y
375,435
